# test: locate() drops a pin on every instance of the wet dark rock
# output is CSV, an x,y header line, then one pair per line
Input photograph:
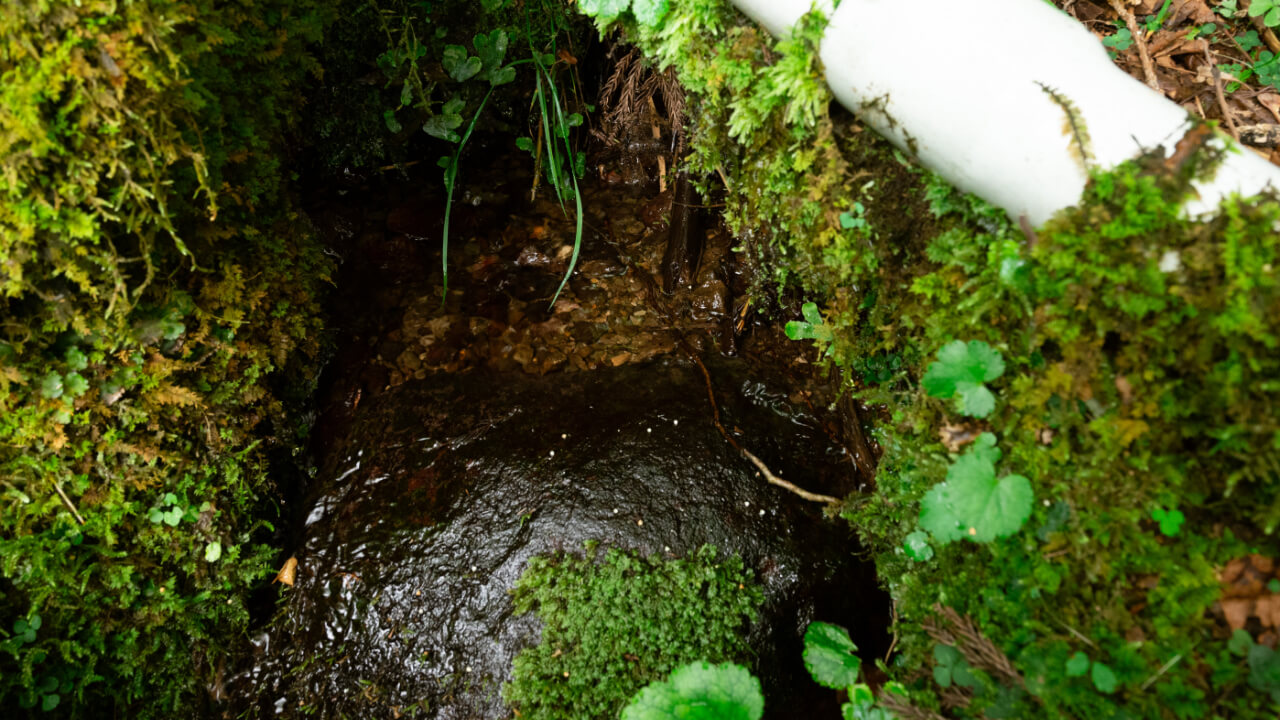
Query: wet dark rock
x,y
426,512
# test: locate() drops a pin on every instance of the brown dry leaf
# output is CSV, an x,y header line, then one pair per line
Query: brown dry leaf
x,y
955,437
1237,612
1267,608
288,572
1270,101
1125,389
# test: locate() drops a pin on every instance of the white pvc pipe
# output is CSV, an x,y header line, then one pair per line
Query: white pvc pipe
x,y
963,92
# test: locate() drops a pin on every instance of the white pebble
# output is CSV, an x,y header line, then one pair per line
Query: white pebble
x,y
747,503
553,453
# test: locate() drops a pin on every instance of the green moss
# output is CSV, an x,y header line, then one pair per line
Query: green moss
x,y
612,625
155,281
1141,352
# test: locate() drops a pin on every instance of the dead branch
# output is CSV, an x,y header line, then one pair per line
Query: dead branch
x,y
1148,70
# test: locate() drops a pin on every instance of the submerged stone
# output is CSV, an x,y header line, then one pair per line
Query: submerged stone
x,y
428,511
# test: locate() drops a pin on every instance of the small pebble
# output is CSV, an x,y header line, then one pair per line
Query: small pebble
x,y
747,503
761,513
648,430
564,436
553,453
640,522
615,511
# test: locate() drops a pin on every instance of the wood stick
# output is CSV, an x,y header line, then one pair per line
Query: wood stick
x,y
1148,70
1222,98
67,501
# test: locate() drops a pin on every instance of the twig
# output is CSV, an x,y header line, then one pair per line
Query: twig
x,y
1163,669
1148,70
893,622
1222,99
764,470
67,501
903,709
775,480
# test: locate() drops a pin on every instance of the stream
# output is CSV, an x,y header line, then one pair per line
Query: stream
x,y
457,439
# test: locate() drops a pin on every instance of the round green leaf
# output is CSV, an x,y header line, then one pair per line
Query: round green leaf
x,y
51,386
917,546
213,551
828,655
700,691
1103,678
50,702
1077,665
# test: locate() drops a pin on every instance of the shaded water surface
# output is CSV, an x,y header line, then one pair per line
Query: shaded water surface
x,y
437,497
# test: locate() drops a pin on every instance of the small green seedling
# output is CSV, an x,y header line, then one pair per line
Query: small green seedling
x,y
811,328
1101,674
700,691
1170,520
961,371
974,504
1268,10
24,630
917,546
853,219
167,512
951,668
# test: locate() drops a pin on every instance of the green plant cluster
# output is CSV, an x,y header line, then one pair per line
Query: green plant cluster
x,y
612,624
1053,396
158,299
1130,446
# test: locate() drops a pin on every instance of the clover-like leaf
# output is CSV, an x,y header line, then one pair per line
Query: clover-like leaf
x,y
76,360
650,13
49,702
604,11
951,668
917,546
812,327
1077,665
502,76
75,384
1170,520
972,503
51,386
700,691
443,125
828,655
491,48
459,66
172,516
213,551
1103,678
961,371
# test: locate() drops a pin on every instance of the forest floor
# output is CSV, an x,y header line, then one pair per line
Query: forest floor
x,y
1218,60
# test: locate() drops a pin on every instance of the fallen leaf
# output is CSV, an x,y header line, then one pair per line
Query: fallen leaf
x,y
287,573
1236,611
1270,101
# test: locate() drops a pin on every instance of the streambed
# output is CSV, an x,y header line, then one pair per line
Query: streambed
x,y
458,439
